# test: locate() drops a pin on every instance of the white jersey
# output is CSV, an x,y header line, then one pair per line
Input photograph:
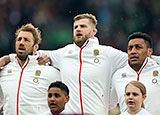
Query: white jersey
x,y
46,113
49,113
87,71
25,88
149,75
142,112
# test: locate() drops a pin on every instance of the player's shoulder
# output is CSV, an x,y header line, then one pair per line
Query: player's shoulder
x,y
109,49
121,70
48,71
47,67
104,48
10,65
68,46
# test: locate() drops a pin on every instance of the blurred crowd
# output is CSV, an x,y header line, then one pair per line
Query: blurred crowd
x,y
116,20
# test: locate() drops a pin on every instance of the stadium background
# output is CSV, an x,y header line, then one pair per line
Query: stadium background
x,y
116,20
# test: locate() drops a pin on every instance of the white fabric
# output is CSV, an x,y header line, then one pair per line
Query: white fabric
x,y
95,75
33,87
149,74
1,98
142,112
156,58
46,113
49,113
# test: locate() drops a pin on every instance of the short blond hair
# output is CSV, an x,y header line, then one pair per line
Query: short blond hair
x,y
30,28
91,17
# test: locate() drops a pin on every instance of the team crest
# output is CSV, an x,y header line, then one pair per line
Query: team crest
x,y
9,71
124,75
96,52
37,73
70,52
155,73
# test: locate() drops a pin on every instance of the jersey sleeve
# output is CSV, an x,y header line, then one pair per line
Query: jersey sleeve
x,y
53,74
113,98
1,98
156,58
118,58
55,55
12,57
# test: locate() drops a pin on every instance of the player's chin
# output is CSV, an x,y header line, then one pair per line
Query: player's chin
x,y
54,110
131,106
78,40
79,37
134,63
21,56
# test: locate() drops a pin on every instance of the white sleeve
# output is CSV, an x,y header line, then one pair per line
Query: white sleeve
x,y
118,58
55,55
53,74
12,57
156,58
113,98
1,98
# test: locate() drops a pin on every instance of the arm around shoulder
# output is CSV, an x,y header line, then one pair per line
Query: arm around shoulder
x,y
4,61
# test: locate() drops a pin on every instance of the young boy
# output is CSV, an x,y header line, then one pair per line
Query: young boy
x,y
58,96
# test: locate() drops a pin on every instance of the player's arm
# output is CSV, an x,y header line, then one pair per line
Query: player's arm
x,y
1,100
4,61
44,60
53,56
156,58
113,98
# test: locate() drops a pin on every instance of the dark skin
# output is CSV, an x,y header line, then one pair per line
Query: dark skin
x,y
57,100
137,52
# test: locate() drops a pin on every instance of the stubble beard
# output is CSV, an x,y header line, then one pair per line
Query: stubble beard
x,y
82,40
23,57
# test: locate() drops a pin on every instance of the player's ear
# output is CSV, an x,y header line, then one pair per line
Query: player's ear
x,y
95,31
149,52
67,98
36,47
144,97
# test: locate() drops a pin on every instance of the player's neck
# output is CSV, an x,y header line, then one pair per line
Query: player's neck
x,y
21,61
